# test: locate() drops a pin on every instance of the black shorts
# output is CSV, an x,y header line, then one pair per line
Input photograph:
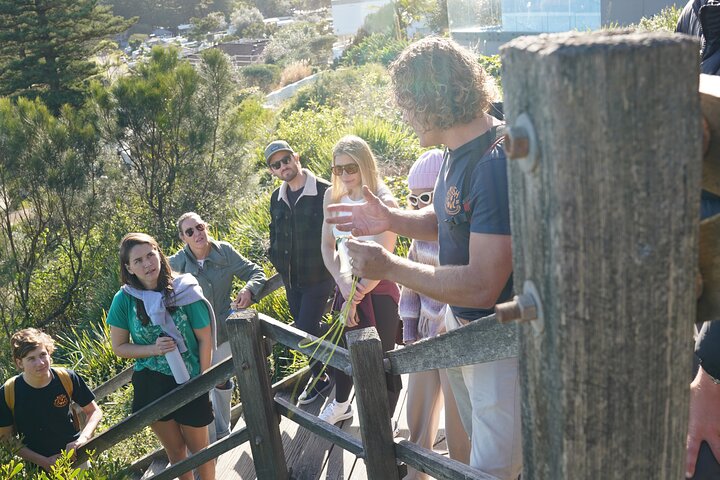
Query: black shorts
x,y
150,385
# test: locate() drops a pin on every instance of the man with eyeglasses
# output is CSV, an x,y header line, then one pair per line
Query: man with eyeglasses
x,y
216,264
296,211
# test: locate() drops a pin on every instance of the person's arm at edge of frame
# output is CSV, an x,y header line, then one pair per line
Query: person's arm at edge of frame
x,y
704,419
374,217
251,273
475,285
94,415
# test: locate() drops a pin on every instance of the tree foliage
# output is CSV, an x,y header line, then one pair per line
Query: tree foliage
x,y
300,41
50,202
247,22
46,47
167,121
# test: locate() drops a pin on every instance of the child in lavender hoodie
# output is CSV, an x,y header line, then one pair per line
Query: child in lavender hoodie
x,y
422,318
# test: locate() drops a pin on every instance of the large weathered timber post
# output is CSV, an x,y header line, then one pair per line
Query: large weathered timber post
x,y
605,222
261,418
371,398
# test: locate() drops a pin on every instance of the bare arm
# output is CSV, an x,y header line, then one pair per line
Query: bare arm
x,y
476,285
204,338
329,253
94,415
374,217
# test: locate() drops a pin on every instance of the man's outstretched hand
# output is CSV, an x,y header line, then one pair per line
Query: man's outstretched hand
x,y
369,218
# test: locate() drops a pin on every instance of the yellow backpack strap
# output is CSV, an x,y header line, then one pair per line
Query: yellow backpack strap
x,y
66,381
10,394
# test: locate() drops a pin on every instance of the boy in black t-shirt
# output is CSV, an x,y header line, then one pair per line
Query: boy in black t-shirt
x,y
37,405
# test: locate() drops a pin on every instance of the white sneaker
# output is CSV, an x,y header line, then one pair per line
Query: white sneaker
x,y
335,412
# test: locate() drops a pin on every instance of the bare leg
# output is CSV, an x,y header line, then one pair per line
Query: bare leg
x,y
196,439
171,438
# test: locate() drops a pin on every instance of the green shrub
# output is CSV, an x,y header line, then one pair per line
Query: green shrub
x,y
312,133
89,352
263,76
356,90
394,144
376,48
665,21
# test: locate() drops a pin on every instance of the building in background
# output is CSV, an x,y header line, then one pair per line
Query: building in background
x,y
487,24
349,15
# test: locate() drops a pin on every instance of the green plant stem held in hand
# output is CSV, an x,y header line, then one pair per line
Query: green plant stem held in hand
x,y
338,324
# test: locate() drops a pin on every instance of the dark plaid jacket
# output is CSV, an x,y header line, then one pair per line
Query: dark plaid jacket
x,y
295,234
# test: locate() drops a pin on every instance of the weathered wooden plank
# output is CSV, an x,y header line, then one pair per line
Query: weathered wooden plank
x,y
437,465
272,284
710,104
327,352
606,227
254,382
709,302
212,451
372,403
119,380
182,395
484,340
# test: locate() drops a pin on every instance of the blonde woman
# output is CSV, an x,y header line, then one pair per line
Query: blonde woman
x,y
375,303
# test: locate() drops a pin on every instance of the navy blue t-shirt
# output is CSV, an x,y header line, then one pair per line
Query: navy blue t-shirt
x,y
489,207
42,415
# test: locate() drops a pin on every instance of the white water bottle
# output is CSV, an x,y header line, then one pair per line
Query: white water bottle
x,y
177,366
345,267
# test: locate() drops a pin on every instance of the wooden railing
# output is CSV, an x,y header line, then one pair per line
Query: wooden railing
x,y
363,360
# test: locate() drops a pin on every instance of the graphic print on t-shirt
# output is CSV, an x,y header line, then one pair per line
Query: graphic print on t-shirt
x,y
61,401
452,201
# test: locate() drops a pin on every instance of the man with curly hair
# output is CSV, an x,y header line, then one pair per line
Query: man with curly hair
x,y
445,94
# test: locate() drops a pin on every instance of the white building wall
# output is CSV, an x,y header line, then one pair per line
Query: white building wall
x,y
349,15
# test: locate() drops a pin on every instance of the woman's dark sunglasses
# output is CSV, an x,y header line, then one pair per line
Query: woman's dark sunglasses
x,y
424,198
350,169
199,227
284,161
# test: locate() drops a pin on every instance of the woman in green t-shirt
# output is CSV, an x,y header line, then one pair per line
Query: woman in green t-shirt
x,y
152,315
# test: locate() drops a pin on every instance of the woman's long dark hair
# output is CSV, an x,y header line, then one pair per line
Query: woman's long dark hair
x,y
165,279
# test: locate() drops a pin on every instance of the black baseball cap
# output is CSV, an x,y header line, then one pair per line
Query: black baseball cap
x,y
277,146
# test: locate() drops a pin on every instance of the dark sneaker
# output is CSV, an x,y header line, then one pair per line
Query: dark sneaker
x,y
319,389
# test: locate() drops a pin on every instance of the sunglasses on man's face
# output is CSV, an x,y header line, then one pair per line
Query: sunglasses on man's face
x,y
350,169
424,198
190,231
282,161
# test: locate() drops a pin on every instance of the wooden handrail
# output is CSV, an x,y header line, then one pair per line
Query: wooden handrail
x,y
119,380
182,395
439,466
458,347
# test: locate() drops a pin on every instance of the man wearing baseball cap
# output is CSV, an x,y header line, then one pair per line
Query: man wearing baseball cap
x,y
296,211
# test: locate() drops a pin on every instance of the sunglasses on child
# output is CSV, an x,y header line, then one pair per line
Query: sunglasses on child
x,y
424,198
350,169
283,161
190,231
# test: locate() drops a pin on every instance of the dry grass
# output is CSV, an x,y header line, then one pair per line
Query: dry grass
x,y
295,71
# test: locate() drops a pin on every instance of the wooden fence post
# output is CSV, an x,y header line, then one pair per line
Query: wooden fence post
x,y
371,398
260,415
605,226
